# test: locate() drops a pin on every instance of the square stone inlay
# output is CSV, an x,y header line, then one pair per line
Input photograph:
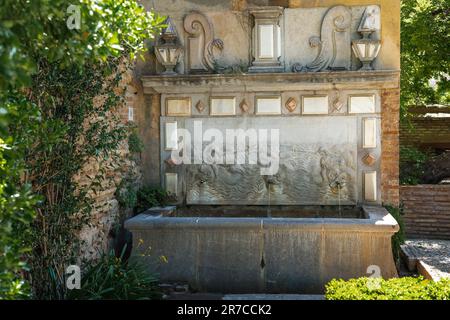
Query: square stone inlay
x,y
362,104
268,105
223,106
178,106
315,104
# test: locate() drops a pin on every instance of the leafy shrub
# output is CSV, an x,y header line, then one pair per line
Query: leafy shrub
x,y
398,238
114,278
148,197
51,127
407,288
135,143
412,165
126,194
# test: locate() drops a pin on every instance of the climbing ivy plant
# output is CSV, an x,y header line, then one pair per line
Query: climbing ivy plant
x,y
59,91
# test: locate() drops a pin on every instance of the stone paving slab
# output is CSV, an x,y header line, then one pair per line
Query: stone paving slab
x,y
242,297
430,257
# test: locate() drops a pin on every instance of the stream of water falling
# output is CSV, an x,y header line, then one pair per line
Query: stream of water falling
x,y
269,212
339,200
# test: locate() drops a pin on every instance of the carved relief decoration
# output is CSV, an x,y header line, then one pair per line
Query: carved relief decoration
x,y
333,44
337,103
200,106
244,106
308,174
201,44
369,159
291,104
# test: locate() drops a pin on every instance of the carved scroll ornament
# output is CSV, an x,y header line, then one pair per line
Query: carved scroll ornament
x,y
332,51
201,43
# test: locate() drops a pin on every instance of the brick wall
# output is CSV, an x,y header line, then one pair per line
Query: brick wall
x,y
390,118
427,211
426,132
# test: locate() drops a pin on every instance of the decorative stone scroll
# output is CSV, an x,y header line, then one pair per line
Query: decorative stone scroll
x,y
201,45
334,43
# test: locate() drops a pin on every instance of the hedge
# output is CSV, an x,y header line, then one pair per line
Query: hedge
x,y
407,288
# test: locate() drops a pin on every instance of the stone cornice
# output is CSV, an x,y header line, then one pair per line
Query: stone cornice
x,y
272,82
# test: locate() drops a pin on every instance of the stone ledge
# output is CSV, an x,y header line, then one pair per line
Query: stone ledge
x,y
378,220
331,80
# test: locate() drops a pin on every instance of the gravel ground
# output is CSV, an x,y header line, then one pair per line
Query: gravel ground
x,y
435,253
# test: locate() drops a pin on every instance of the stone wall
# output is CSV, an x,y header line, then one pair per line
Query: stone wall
x,y
427,211
390,115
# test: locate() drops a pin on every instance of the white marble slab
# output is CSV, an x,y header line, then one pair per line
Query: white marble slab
x,y
370,186
223,106
362,104
171,136
369,133
268,105
178,106
315,105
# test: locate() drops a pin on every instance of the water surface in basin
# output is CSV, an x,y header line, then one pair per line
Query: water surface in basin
x,y
346,212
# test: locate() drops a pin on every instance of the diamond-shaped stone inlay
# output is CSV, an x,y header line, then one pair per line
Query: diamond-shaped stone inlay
x,y
244,106
337,105
200,106
369,159
291,104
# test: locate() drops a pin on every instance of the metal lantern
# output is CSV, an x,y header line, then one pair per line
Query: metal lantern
x,y
168,50
366,50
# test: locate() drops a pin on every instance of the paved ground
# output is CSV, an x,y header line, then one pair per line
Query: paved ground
x,y
432,257
240,297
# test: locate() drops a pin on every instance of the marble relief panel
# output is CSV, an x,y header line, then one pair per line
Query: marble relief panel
x,y
317,165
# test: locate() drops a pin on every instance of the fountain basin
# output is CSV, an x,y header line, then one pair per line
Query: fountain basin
x,y
258,254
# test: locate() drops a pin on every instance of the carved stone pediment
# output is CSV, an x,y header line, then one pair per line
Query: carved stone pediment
x,y
201,46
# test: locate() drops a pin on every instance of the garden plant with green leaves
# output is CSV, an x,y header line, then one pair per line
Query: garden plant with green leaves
x,y
49,77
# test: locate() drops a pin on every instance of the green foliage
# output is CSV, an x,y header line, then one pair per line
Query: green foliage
x,y
113,278
15,217
407,288
425,45
412,165
151,197
126,194
398,238
135,143
50,128
16,198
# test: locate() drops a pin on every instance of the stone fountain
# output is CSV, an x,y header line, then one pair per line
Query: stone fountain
x,y
271,139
